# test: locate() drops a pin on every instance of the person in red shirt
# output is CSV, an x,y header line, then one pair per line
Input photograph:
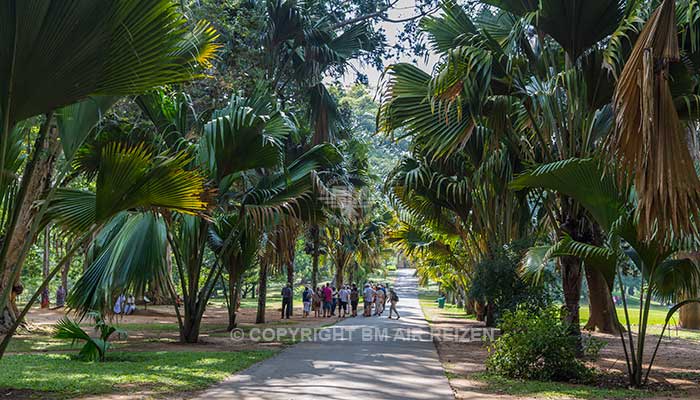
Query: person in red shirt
x,y
327,300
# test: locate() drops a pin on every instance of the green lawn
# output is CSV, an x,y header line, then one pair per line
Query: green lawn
x,y
657,314
159,372
430,308
554,390
28,344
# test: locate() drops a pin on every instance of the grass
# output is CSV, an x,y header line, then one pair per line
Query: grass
x,y
554,390
40,343
427,301
160,372
657,314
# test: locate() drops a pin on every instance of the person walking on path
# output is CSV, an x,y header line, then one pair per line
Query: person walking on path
x,y
393,299
306,298
317,301
379,301
287,294
344,296
335,301
386,295
327,300
354,299
368,295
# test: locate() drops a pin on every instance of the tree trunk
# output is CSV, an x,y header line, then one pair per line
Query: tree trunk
x,y
338,275
45,300
315,255
570,267
571,283
353,272
690,316
64,276
262,293
480,311
191,324
470,306
490,317
35,181
603,315
290,279
234,284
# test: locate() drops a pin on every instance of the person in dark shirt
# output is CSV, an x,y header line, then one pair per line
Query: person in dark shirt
x,y
287,300
306,298
354,299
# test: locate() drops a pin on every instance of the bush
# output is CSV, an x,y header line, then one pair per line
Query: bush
x,y
498,284
537,346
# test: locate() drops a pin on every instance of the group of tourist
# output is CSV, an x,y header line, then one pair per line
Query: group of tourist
x,y
327,301
125,305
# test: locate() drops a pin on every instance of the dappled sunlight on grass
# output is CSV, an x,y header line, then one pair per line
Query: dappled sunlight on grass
x,y
554,390
157,371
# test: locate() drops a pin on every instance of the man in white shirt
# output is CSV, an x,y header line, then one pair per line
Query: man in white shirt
x,y
344,295
368,295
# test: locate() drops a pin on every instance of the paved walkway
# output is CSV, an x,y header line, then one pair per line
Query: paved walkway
x,y
366,360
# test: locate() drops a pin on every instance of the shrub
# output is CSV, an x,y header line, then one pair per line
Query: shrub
x,y
498,284
537,346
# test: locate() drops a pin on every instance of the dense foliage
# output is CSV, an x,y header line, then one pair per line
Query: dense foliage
x,y
535,345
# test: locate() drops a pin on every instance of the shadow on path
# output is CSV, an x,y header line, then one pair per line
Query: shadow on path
x,y
356,358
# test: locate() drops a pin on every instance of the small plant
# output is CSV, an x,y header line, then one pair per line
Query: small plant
x,y
94,349
592,347
537,346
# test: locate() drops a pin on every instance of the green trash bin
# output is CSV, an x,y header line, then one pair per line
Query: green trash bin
x,y
441,302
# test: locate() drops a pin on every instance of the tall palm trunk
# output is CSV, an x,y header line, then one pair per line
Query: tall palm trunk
x,y
690,316
45,300
234,301
235,278
290,279
315,233
570,267
35,181
603,314
571,284
262,293
192,321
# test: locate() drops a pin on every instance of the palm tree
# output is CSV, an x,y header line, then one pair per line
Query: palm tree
x,y
128,178
87,48
300,48
517,73
665,273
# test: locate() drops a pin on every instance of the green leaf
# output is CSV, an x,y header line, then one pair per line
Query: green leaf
x,y
583,180
55,53
76,121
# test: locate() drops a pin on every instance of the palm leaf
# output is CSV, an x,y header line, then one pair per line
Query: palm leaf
x,y
649,141
583,180
576,25
76,121
131,254
56,53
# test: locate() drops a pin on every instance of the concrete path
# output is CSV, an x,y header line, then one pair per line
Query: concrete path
x,y
358,358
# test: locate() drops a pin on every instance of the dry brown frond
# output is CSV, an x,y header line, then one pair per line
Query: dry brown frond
x,y
649,140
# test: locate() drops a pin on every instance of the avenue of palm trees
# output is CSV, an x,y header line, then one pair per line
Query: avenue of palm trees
x,y
190,151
